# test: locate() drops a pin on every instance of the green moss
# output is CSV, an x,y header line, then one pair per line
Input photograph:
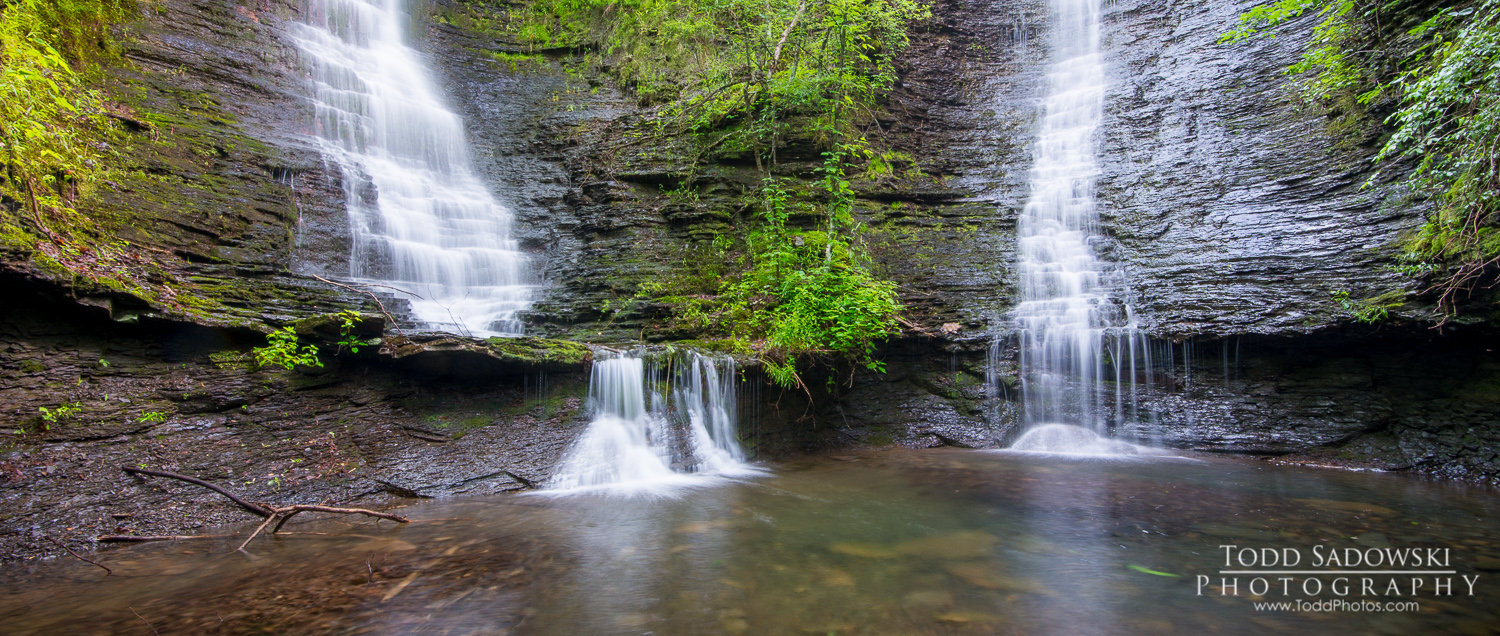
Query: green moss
x,y
540,351
732,346
232,360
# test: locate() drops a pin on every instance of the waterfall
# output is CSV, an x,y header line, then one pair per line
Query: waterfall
x,y
422,221
1079,350
659,421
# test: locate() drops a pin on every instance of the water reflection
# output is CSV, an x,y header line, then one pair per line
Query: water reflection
x,y
896,542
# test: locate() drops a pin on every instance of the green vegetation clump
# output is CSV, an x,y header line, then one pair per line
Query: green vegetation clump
x,y
61,413
540,351
810,291
736,72
1430,75
54,133
282,351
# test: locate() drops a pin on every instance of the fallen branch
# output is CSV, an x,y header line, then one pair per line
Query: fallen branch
x,y
291,511
280,515
143,620
126,538
383,312
258,528
254,509
59,544
519,479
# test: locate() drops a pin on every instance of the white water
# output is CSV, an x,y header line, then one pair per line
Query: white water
x,y
658,424
1074,341
1063,439
421,219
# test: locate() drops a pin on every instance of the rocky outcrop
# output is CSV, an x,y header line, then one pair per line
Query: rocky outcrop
x,y
185,398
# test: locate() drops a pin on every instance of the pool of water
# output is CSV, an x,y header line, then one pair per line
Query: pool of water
x,y
881,542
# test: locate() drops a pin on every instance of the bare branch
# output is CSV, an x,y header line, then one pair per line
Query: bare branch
x,y
59,544
372,296
253,508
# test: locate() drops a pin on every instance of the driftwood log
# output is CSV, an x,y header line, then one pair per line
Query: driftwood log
x,y
280,515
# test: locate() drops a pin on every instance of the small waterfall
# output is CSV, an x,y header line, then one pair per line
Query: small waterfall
x,y
658,420
1079,350
422,221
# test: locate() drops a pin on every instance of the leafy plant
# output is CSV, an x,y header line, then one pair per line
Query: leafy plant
x,y
53,127
1362,312
59,414
282,351
152,417
349,321
734,71
811,292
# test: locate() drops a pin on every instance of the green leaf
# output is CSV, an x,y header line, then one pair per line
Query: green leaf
x,y
1138,568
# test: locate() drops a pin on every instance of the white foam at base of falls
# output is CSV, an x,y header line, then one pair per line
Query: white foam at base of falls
x,y
659,425
1065,439
421,219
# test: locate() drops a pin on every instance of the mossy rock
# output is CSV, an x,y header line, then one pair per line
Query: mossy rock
x,y
544,352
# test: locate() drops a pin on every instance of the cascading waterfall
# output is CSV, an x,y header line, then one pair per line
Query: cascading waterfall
x,y
659,421
421,219
1074,341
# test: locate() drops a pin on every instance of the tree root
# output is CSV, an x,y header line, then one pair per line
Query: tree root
x,y
280,515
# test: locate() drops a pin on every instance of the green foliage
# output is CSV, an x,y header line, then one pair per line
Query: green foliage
x,y
810,292
53,131
735,70
282,351
58,415
348,321
1449,124
152,417
1364,312
1438,68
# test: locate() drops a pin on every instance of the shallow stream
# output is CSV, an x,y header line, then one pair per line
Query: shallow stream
x,y
881,542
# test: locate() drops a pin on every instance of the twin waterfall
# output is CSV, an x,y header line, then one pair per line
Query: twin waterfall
x,y
658,421
422,221
425,224
1078,349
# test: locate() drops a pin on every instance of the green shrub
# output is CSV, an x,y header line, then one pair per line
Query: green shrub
x,y
58,415
735,69
282,351
810,292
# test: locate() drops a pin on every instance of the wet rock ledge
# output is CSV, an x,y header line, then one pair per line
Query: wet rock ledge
x,y
409,416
